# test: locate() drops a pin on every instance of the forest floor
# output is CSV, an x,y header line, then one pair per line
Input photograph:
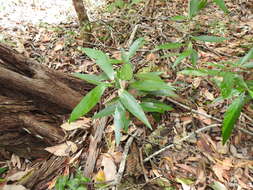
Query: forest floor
x,y
48,33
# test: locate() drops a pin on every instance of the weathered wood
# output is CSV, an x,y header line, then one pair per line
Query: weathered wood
x,y
34,101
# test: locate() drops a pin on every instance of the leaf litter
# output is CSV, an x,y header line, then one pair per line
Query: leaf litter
x,y
197,163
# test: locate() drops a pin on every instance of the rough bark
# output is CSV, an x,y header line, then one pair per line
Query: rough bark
x,y
34,101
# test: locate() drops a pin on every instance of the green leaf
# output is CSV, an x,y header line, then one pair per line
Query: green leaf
x,y
108,110
178,18
93,79
149,76
126,72
118,122
216,185
3,169
246,58
150,85
227,84
135,46
193,8
102,60
190,72
61,182
88,102
232,114
222,5
130,103
250,93
248,65
164,92
156,106
209,38
182,56
202,4
194,57
170,46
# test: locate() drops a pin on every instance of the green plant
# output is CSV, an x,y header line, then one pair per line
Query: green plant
x,y
231,78
136,92
190,39
77,182
2,171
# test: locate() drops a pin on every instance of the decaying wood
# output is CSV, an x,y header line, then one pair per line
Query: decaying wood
x,y
94,146
34,101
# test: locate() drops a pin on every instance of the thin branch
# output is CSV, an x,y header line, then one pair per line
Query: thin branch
x,y
181,140
206,115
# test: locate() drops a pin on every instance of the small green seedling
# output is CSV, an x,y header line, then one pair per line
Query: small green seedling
x,y
136,93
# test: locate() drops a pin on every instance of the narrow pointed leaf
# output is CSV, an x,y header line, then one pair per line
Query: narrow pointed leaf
x,y
102,60
155,107
88,102
178,18
221,5
209,38
93,79
150,85
191,72
246,58
193,8
135,46
150,76
227,84
251,93
194,57
108,110
126,72
182,56
130,103
170,46
232,114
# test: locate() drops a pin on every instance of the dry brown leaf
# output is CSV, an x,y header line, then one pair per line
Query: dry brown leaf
x,y
222,149
117,156
208,95
18,175
196,82
151,57
63,149
59,45
202,118
110,169
218,170
14,187
80,124
15,160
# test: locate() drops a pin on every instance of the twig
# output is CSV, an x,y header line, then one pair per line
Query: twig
x,y
206,115
181,140
124,157
131,38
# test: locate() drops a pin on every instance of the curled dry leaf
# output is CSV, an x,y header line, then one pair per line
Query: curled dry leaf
x,y
80,124
63,149
110,169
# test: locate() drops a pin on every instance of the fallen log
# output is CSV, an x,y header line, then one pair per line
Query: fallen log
x,y
34,101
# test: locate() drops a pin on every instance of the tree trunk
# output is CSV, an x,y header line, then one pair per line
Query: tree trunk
x,y
34,101
83,19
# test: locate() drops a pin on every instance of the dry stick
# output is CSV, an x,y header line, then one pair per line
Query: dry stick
x,y
181,140
206,115
197,131
124,157
131,39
